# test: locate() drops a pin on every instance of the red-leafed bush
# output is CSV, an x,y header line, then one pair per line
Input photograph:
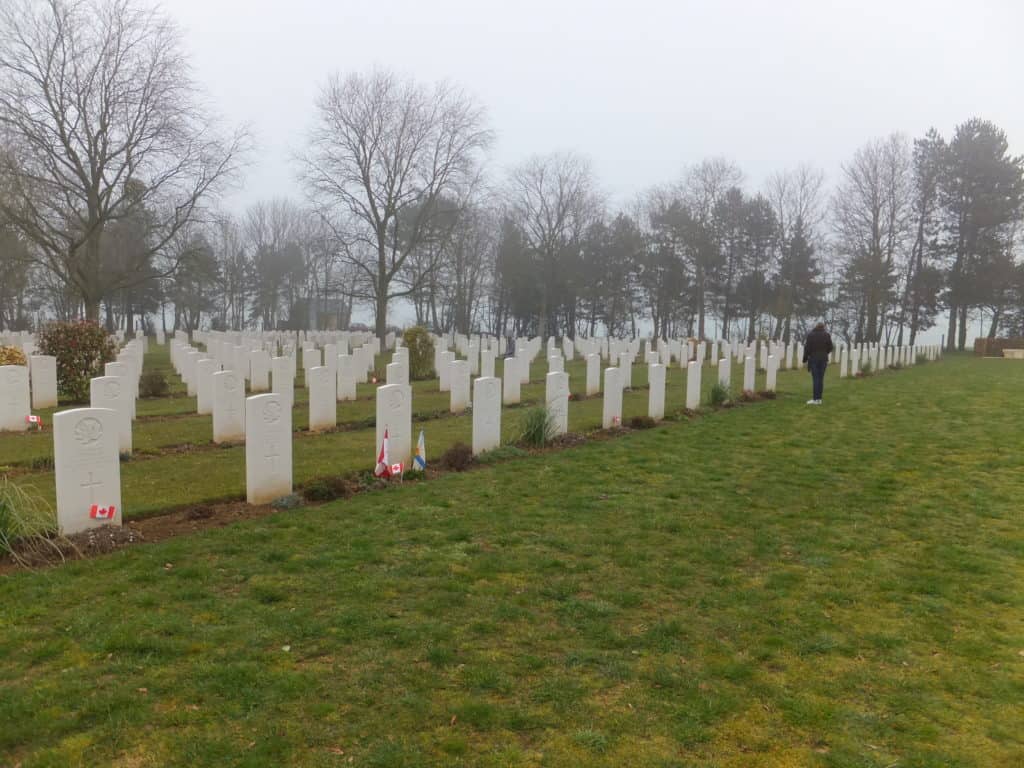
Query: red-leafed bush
x,y
81,350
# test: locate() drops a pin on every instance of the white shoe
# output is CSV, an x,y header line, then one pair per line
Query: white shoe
x,y
817,402
812,402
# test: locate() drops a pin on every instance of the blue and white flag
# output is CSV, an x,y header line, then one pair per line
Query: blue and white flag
x,y
420,460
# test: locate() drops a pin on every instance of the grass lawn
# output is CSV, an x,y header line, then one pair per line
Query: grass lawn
x,y
774,585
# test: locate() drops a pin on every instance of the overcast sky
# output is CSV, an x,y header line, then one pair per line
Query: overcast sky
x,y
641,88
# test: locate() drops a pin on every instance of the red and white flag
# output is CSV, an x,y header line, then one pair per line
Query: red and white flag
x,y
37,420
96,512
383,468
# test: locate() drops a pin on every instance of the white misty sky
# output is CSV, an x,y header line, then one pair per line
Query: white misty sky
x,y
642,88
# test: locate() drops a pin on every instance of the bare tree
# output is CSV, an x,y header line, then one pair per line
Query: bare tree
x,y
382,154
554,199
100,121
871,209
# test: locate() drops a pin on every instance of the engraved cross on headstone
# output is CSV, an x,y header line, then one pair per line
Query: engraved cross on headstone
x,y
91,485
272,455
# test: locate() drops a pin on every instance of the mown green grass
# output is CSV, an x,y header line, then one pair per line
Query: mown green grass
x,y
206,473
775,585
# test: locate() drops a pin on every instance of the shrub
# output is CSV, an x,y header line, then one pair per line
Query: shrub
x,y
153,384
27,524
865,368
81,350
921,358
326,489
458,457
720,394
12,356
421,352
537,427
642,422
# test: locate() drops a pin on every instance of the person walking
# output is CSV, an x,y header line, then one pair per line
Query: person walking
x,y
817,347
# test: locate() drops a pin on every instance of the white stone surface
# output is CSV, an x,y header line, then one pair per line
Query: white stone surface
x,y
556,399
87,470
283,377
459,383
444,373
44,381
486,414
693,376
229,407
323,398
510,394
593,374
656,396
611,410
347,376
394,412
268,447
15,399
113,393
259,371
204,386
771,369
626,370
748,374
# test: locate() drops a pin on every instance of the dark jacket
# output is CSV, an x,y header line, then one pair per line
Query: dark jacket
x,y
817,346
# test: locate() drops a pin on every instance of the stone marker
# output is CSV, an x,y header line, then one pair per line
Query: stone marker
x,y
771,368
15,400
611,412
397,372
394,413
748,374
593,374
626,370
283,377
556,364
656,396
87,469
268,447
556,399
112,392
444,372
44,381
486,414
487,363
259,370
323,398
459,382
204,386
510,381
229,407
693,374
347,376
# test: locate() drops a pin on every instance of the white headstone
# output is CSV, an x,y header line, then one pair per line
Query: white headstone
x,y
444,372
112,392
283,380
510,381
593,374
556,364
486,414
204,386
268,447
771,368
87,469
347,376
44,381
748,374
487,363
656,396
394,413
228,407
725,371
693,374
626,370
611,412
259,370
15,401
323,398
556,398
459,382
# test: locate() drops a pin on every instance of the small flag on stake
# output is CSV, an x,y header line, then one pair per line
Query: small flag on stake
x,y
420,460
383,468
97,512
37,420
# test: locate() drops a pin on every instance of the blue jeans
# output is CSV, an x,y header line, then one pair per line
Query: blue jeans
x,y
817,368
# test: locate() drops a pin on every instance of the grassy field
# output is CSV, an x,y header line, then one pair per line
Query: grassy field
x,y
163,476
774,585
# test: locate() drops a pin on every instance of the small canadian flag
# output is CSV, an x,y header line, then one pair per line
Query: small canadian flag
x,y
37,420
396,469
96,512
